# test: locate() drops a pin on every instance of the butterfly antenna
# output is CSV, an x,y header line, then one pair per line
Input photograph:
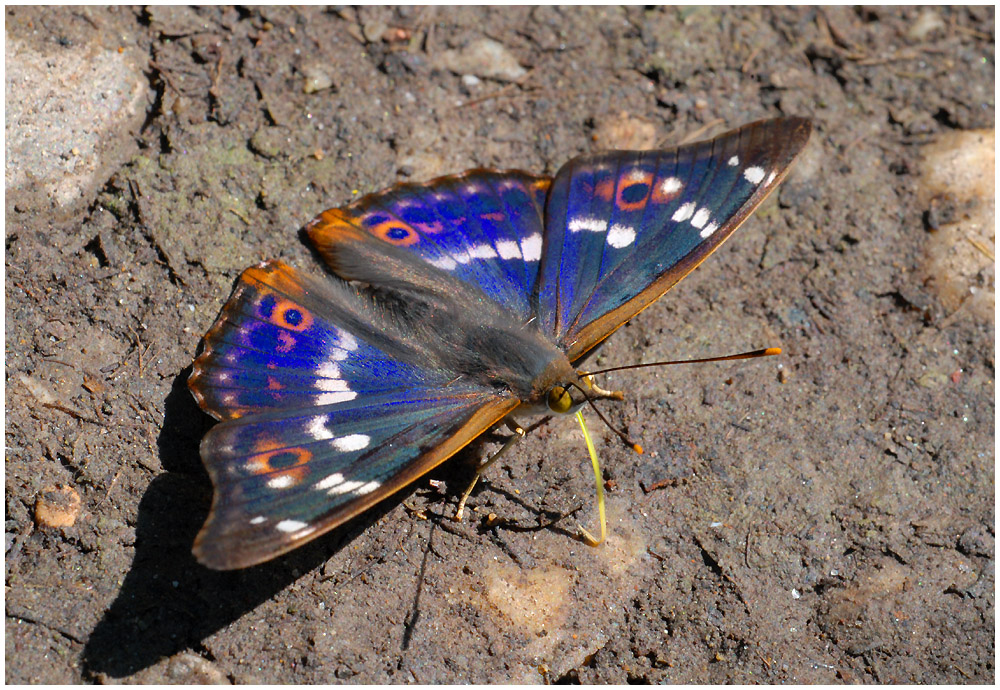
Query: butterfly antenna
x,y
621,434
766,352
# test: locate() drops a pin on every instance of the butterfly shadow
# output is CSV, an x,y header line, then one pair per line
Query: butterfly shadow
x,y
168,601
458,472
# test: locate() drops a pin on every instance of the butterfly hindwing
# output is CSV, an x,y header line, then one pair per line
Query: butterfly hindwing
x,y
483,227
282,478
623,227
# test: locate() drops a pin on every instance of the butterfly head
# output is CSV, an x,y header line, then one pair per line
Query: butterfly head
x,y
569,397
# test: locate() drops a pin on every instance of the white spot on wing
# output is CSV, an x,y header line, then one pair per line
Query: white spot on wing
x,y
352,442
344,488
508,249
344,346
531,247
289,526
257,520
327,482
753,174
346,341
334,389
353,487
317,429
709,229
733,162
591,224
476,251
684,212
671,185
280,482
367,488
700,218
620,236
635,175
332,385
482,251
445,263
328,370
333,398
335,485
770,178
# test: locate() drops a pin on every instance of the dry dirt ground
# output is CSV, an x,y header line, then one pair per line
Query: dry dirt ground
x,y
825,516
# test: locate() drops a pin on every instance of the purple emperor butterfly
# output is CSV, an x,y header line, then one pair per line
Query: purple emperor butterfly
x,y
451,304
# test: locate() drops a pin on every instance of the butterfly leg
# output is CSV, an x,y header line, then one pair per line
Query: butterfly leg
x,y
588,538
518,434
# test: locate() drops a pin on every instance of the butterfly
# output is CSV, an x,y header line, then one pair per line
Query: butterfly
x,y
451,304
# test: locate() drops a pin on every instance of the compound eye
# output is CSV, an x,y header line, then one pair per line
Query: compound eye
x,y
560,401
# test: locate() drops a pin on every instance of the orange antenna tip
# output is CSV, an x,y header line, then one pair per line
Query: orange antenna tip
x,y
772,351
637,448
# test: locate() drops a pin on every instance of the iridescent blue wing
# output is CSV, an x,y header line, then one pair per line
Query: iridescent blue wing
x,y
323,416
483,227
623,227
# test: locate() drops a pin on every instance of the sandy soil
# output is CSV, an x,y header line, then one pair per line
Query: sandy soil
x,y
826,516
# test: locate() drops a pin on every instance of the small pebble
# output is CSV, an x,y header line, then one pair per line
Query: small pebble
x,y
316,79
57,506
623,131
187,668
927,23
92,384
373,31
482,58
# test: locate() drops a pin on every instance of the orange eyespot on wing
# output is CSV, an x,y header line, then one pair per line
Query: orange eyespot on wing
x,y
291,316
273,457
633,190
391,230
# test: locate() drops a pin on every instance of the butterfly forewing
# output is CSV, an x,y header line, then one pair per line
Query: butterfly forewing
x,y
482,227
276,346
623,227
